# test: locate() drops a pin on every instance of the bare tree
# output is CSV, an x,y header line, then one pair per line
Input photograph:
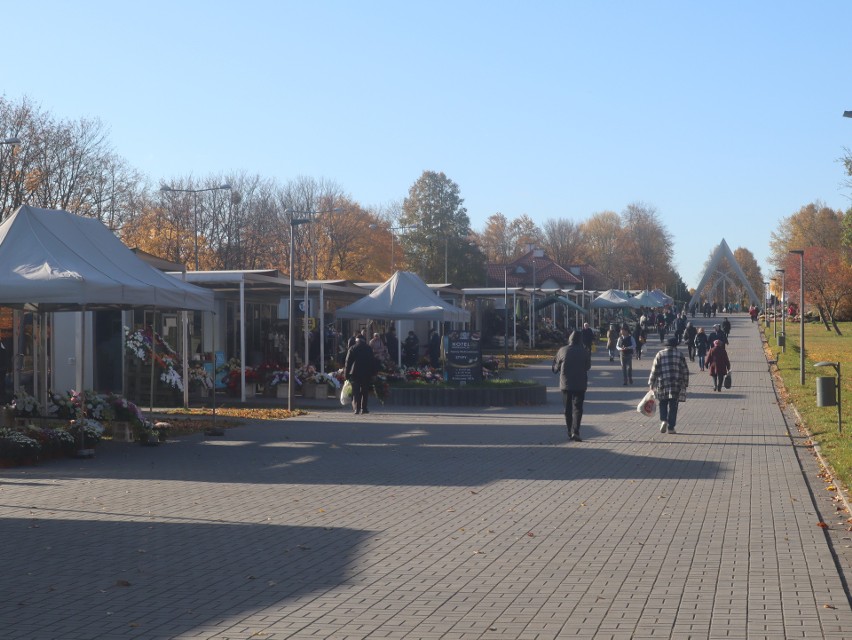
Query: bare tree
x,y
562,239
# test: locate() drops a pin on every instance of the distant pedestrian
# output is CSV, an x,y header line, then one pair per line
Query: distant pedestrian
x,y
689,338
701,346
639,337
410,349
718,364
726,327
669,379
572,362
611,339
717,334
434,349
625,346
359,368
661,327
588,336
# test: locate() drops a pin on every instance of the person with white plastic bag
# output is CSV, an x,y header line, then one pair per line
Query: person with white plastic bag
x,y
648,404
668,380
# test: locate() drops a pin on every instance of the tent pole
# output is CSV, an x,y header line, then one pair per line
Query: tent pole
x,y
213,393
185,358
153,353
243,340
321,328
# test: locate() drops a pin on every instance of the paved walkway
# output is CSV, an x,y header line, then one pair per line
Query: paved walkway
x,y
455,524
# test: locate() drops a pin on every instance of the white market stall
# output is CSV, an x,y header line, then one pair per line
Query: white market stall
x,y
52,261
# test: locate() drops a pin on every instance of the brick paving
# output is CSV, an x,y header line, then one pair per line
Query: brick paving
x,y
454,523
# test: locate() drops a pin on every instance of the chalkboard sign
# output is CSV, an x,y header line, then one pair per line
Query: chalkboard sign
x,y
463,352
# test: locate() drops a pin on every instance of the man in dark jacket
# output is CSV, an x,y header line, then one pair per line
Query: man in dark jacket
x,y
359,368
572,363
588,336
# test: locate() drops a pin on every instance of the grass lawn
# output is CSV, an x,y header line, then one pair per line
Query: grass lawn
x,y
821,422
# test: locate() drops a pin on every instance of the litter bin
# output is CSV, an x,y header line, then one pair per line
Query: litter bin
x,y
826,391
782,339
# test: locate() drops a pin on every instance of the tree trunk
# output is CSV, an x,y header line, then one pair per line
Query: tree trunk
x,y
822,316
834,323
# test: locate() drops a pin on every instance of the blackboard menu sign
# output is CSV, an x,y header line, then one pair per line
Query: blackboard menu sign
x,y
463,352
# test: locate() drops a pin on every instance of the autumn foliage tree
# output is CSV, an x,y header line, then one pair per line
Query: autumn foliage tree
x,y
828,282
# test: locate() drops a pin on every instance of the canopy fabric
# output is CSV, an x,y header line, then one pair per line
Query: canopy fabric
x,y
613,299
57,261
649,299
662,296
549,300
404,297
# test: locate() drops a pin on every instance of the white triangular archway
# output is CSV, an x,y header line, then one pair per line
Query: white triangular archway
x,y
723,251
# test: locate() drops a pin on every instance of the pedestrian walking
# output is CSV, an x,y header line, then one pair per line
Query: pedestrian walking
x,y
434,349
718,364
701,345
669,379
588,336
717,334
625,347
689,338
359,368
726,327
639,337
572,362
611,339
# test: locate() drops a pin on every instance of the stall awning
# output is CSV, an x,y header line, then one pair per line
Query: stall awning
x,y
549,300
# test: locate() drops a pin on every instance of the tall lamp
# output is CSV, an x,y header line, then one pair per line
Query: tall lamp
x,y
295,222
801,254
783,309
766,302
168,189
506,317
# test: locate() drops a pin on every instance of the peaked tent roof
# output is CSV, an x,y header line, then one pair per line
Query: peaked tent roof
x,y
552,299
613,299
403,297
58,261
649,299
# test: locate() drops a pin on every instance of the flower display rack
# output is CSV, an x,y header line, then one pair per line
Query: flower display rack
x,y
139,386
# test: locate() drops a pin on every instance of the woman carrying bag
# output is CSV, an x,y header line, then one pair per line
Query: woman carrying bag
x,y
718,364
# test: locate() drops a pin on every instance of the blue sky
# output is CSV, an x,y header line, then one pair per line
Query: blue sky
x,y
726,117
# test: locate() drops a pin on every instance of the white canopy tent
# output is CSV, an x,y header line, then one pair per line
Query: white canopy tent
x,y
404,296
57,261
613,299
53,260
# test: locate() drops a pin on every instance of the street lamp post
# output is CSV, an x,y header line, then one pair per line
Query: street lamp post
x,y
295,222
532,310
775,310
766,303
167,189
506,317
783,310
801,254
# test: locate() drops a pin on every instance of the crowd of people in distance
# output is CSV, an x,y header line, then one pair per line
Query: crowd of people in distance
x,y
669,371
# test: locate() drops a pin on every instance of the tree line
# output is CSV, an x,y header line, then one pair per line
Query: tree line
x,y
71,165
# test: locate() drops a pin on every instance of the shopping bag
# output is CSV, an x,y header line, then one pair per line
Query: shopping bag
x,y
648,405
346,393
727,381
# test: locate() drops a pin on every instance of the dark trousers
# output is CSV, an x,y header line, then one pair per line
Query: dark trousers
x,y
668,411
718,380
573,402
360,391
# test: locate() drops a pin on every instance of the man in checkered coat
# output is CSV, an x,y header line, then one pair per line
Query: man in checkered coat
x,y
669,380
